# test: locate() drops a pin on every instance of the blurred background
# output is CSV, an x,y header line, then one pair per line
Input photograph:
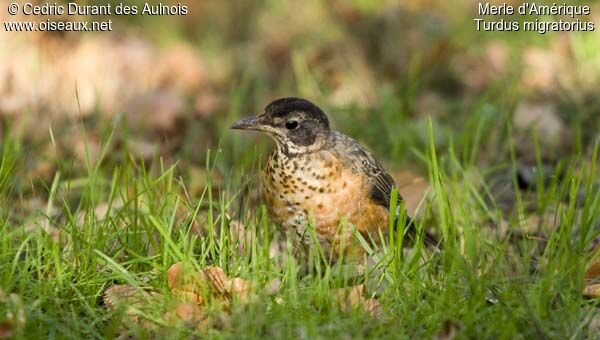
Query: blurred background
x,y
169,86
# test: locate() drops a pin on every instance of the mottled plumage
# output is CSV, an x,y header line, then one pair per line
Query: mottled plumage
x,y
320,175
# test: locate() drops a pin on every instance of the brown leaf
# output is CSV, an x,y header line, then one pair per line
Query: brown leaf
x,y
130,298
413,190
127,295
175,275
351,298
6,330
217,278
189,312
373,307
188,293
593,270
592,291
239,288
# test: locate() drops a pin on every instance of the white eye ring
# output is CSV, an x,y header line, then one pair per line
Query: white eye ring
x,y
291,125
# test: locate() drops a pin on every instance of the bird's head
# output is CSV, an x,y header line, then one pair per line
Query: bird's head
x,y
297,125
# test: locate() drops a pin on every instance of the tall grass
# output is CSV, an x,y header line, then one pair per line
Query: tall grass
x,y
128,222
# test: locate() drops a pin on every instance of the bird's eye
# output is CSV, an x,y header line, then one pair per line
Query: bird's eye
x,y
291,125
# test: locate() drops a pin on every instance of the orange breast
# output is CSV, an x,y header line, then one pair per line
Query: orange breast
x,y
317,186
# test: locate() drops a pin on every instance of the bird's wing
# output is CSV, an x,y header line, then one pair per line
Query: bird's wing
x,y
382,183
361,160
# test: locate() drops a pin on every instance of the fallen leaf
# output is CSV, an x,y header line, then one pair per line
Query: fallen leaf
x,y
239,288
189,312
592,291
126,295
373,307
188,293
175,275
217,278
6,330
413,190
351,298
593,270
131,299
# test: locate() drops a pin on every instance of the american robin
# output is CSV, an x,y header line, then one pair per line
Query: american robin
x,y
321,176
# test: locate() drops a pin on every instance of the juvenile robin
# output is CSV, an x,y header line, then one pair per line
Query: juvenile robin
x,y
321,177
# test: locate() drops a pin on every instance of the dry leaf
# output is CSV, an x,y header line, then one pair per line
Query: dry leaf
x,y
189,312
592,291
373,307
188,293
217,278
175,275
594,269
413,190
239,288
126,295
6,330
351,298
130,298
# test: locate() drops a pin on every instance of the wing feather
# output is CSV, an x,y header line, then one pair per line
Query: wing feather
x,y
381,182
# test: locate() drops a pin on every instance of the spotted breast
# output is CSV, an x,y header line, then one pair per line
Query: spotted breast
x,y
323,190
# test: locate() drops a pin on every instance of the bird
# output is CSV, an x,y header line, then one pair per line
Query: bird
x,y
321,177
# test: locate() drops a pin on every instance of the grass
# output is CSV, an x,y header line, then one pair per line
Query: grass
x,y
513,259
56,260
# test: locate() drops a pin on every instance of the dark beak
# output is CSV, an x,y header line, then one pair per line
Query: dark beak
x,y
252,123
